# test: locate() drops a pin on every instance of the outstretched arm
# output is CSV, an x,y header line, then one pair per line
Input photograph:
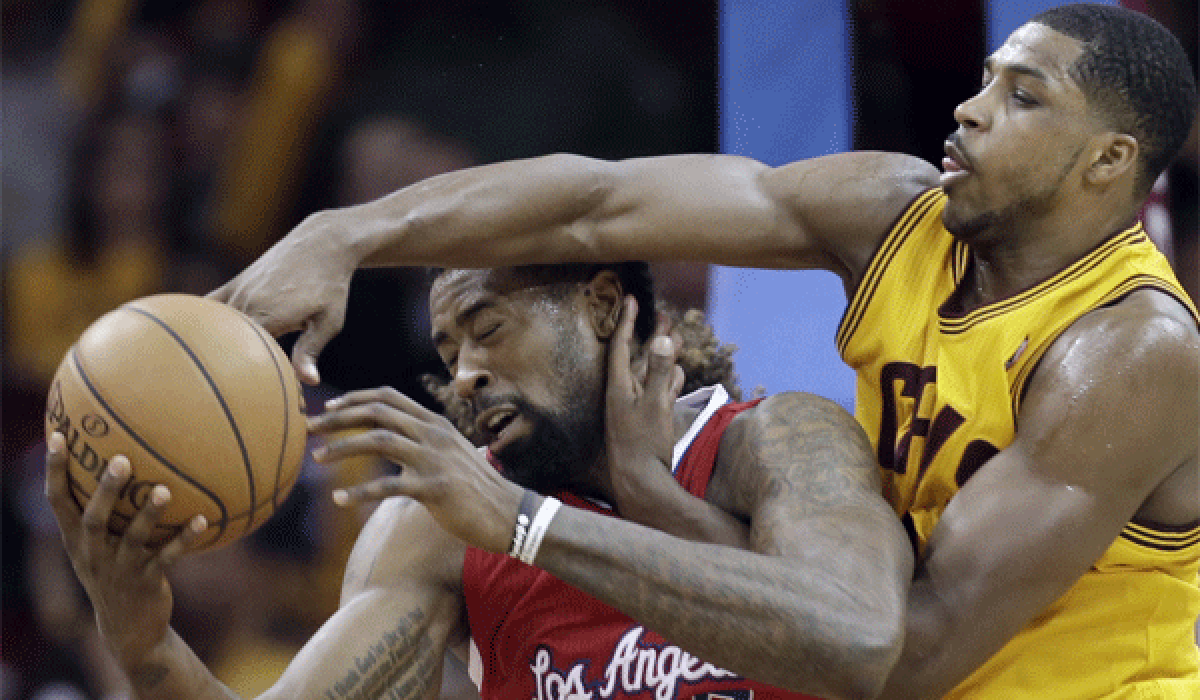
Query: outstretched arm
x,y
396,616
713,208
828,212
1036,516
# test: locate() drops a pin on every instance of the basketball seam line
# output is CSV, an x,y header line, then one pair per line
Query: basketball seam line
x,y
217,393
145,445
286,412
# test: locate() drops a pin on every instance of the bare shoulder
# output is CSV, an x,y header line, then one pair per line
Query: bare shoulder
x,y
402,544
1148,338
849,201
800,444
875,175
1129,372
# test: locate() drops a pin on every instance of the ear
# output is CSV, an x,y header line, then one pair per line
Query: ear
x,y
1115,157
602,297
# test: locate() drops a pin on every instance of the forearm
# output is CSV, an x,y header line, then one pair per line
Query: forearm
x,y
801,623
650,496
564,208
492,214
934,658
379,645
171,671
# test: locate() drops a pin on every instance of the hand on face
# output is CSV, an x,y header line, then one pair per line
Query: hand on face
x,y
640,410
123,575
439,467
300,284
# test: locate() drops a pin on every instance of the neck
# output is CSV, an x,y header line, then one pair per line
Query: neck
x,y
598,481
1019,254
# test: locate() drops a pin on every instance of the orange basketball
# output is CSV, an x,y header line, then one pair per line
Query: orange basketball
x,y
198,397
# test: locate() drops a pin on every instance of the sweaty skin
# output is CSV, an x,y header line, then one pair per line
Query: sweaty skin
x,y
815,603
1035,179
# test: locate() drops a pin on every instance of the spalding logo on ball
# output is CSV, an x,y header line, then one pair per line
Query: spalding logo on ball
x,y
198,397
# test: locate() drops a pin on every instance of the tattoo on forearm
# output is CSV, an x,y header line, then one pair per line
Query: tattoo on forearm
x,y
400,664
796,467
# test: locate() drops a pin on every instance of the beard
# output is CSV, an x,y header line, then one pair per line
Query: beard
x,y
993,225
560,447
975,229
563,444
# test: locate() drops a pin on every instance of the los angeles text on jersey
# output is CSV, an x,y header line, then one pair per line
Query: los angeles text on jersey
x,y
635,668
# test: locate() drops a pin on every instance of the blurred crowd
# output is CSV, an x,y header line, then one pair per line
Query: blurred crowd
x,y
161,145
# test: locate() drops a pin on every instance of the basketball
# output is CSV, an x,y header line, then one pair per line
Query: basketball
x,y
199,398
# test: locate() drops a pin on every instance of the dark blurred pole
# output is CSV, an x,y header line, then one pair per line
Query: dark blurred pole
x,y
913,63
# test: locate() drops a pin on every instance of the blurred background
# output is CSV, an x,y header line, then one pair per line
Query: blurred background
x,y
161,145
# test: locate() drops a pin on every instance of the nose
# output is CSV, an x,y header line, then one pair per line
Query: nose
x,y
470,377
970,113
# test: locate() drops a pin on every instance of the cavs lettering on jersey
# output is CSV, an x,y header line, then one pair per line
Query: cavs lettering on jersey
x,y
540,639
938,394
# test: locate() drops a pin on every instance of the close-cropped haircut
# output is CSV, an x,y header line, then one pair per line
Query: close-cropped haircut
x,y
1136,74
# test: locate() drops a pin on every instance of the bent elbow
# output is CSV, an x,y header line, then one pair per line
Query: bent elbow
x,y
869,659
849,661
872,674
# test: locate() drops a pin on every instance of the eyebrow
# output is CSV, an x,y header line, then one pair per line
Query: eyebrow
x,y
464,316
989,64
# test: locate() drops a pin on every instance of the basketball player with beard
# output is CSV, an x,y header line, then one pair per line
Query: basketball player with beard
x,y
807,592
1027,363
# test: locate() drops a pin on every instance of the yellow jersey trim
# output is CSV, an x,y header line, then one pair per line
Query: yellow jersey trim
x,y
907,222
1162,538
1129,286
959,324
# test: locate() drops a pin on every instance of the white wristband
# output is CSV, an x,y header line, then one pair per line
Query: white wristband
x,y
521,529
537,530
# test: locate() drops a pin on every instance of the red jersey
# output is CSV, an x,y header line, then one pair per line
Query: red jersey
x,y
541,639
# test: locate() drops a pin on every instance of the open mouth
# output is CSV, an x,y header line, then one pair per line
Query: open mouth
x,y
492,424
954,164
954,160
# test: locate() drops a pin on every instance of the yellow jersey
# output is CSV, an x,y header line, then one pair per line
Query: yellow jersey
x,y
938,394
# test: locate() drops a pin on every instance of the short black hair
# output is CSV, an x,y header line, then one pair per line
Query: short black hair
x,y
1136,73
635,277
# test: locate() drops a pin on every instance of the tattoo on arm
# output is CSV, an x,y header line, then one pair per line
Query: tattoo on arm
x,y
803,457
819,597
401,663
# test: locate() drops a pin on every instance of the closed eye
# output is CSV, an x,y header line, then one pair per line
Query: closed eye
x,y
488,332
1024,99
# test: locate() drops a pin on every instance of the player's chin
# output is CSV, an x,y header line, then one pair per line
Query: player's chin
x,y
958,189
960,214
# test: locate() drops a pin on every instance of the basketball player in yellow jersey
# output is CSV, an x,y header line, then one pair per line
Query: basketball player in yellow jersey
x,y
1028,367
